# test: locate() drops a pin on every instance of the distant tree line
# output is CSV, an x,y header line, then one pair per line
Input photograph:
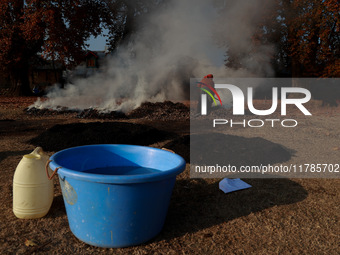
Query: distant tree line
x,y
305,34
58,30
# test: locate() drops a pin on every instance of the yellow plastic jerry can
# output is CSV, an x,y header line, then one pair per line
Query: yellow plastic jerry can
x,y
32,190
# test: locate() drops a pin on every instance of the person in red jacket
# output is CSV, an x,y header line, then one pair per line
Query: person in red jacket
x,y
206,83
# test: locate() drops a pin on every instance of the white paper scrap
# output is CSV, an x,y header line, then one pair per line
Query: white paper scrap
x,y
230,185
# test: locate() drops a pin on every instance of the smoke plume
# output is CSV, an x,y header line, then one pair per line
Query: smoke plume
x,y
184,39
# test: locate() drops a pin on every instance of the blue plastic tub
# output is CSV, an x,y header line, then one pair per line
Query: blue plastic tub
x,y
116,195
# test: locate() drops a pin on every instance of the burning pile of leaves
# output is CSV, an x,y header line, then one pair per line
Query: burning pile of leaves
x,y
95,114
49,112
89,113
160,111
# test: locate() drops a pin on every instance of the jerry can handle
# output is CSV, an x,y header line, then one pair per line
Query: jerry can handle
x,y
54,172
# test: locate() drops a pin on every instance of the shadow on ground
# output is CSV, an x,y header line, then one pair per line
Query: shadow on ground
x,y
57,208
60,137
196,205
223,149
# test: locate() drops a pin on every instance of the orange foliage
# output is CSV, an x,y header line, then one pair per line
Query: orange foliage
x,y
54,29
314,36
58,29
305,35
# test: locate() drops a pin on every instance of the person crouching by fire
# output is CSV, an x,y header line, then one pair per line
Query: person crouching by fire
x,y
205,84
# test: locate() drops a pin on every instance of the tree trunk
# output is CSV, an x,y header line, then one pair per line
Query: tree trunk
x,y
20,82
129,24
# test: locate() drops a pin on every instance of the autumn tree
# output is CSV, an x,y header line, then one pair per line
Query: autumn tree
x,y
305,36
314,37
54,30
128,17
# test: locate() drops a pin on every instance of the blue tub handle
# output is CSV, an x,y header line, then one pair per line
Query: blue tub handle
x,y
54,172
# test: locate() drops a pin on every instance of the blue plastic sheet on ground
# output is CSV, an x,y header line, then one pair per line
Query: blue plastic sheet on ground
x,y
230,185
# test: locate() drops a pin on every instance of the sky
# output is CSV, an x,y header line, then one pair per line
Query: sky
x,y
97,44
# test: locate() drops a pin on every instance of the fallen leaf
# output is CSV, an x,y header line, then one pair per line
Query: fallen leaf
x,y
30,243
336,148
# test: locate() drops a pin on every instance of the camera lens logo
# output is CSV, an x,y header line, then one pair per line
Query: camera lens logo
x,y
206,92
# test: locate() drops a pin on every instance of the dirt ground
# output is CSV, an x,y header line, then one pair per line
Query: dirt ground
x,y
275,216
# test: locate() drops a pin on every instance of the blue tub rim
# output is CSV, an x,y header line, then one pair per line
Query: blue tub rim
x,y
117,179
